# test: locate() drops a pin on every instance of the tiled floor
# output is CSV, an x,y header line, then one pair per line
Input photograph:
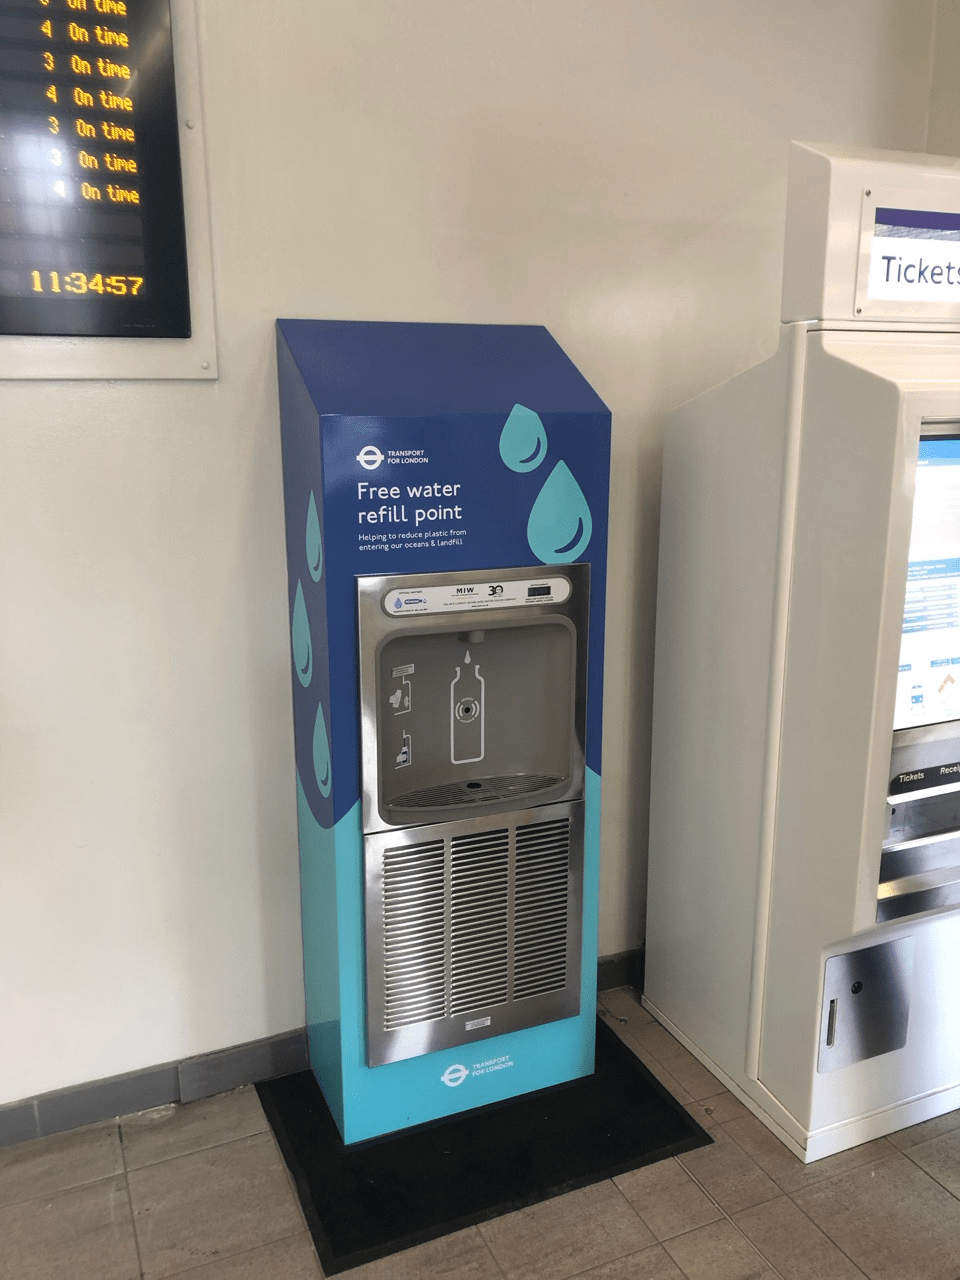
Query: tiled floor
x,y
200,1191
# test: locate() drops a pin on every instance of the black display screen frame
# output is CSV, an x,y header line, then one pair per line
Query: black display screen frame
x,y
162,310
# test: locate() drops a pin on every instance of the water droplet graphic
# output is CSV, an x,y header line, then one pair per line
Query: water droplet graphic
x,y
321,754
314,540
523,441
560,525
300,637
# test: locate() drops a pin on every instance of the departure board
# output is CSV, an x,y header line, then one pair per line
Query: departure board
x,y
92,239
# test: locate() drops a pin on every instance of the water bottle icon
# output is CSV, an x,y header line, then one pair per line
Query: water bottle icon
x,y
467,713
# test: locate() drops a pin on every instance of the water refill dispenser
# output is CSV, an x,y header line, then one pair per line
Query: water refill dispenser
x,y
803,927
445,489
472,696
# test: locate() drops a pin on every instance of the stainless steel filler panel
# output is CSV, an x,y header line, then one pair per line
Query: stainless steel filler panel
x,y
866,1003
473,710
472,692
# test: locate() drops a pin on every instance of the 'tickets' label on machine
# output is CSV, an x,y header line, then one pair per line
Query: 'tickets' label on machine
x,y
915,255
938,775
454,597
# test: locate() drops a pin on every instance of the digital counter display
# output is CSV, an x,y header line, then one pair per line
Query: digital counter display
x,y
92,239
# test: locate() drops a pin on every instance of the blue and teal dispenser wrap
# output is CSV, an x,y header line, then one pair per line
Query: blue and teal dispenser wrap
x,y
423,448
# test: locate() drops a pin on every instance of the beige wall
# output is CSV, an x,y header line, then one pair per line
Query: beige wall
x,y
943,131
614,169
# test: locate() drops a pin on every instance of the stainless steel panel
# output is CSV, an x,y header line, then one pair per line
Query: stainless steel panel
x,y
905,741
917,857
866,1003
471,709
920,860
473,929
923,818
913,897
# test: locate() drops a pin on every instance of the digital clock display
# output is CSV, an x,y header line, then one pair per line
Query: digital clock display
x,y
92,239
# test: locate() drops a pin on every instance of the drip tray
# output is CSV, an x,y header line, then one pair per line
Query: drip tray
x,y
478,791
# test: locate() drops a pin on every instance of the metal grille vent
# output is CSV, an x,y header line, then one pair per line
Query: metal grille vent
x,y
541,909
414,927
473,928
478,791
479,920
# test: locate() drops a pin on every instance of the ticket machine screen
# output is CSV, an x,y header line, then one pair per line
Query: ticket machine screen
x,y
928,682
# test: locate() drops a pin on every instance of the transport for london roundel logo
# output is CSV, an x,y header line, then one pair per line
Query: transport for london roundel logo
x,y
455,1075
370,457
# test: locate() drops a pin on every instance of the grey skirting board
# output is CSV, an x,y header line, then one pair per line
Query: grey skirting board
x,y
153,1086
207,1074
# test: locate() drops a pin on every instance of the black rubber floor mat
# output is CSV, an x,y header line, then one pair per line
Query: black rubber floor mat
x,y
376,1198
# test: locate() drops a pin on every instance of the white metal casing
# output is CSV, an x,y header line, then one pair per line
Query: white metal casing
x,y
786,513
831,198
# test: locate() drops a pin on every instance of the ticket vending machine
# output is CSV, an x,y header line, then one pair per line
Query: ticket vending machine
x,y
803,926
445,489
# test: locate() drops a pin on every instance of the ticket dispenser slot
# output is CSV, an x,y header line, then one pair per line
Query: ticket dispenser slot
x,y
920,860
